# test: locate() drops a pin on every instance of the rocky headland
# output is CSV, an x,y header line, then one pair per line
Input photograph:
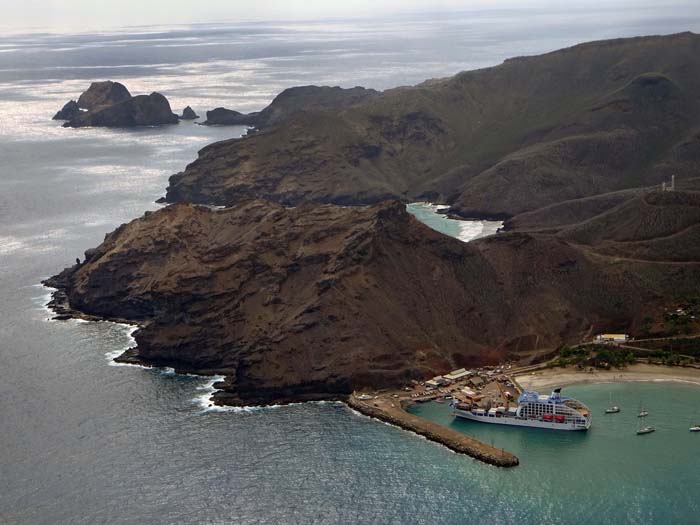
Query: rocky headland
x,y
534,131
317,299
109,104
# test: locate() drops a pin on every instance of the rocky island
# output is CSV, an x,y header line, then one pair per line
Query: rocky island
x,y
318,299
109,104
188,114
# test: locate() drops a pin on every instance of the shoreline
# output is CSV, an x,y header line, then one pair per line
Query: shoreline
x,y
637,373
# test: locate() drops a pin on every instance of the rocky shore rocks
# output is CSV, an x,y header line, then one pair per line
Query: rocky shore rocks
x,y
109,104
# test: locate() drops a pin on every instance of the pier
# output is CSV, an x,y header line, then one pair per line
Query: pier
x,y
391,409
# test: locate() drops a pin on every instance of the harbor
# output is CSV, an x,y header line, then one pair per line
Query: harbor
x,y
392,410
489,390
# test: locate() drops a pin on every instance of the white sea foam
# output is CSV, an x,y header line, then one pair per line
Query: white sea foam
x,y
42,300
131,342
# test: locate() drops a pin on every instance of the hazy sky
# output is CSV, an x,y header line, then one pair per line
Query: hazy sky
x,y
72,15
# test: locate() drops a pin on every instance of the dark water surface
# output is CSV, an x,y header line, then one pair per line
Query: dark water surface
x,y
85,442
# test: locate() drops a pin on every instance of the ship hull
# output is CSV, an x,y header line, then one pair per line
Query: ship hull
x,y
516,422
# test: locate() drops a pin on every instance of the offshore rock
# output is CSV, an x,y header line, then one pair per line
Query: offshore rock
x,y
109,104
103,94
188,114
69,111
141,110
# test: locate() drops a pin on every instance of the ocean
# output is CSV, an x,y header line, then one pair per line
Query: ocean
x,y
85,441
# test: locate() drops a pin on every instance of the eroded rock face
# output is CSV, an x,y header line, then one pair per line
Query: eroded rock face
x,y
315,301
68,112
103,94
109,104
188,114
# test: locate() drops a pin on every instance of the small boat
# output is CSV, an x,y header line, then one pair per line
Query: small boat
x,y
642,412
612,409
644,429
695,428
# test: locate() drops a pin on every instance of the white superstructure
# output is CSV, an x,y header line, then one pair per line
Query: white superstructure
x,y
534,410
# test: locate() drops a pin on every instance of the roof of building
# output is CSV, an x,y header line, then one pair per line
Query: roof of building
x,y
456,374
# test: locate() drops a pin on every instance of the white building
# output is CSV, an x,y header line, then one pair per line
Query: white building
x,y
612,338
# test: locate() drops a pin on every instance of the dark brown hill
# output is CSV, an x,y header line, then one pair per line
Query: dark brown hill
x,y
532,132
314,301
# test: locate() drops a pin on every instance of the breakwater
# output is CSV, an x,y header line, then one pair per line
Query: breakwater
x,y
392,411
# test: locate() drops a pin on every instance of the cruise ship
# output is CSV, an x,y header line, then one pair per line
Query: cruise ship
x,y
552,411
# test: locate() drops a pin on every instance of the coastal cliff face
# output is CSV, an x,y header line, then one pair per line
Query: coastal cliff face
x,y
109,104
532,132
315,301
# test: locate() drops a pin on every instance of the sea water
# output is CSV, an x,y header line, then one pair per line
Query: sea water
x,y
85,442
464,230
608,473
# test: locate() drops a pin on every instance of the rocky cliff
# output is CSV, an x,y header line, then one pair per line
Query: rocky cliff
x,y
535,131
314,301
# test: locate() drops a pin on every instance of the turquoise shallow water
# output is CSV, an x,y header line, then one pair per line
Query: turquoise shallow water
x,y
465,231
608,474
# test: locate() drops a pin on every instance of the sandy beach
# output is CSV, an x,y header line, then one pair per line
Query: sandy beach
x,y
553,377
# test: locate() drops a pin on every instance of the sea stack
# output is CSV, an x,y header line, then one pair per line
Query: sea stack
x,y
109,104
188,114
103,94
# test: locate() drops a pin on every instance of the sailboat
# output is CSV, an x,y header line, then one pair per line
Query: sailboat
x,y
612,409
644,429
642,412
